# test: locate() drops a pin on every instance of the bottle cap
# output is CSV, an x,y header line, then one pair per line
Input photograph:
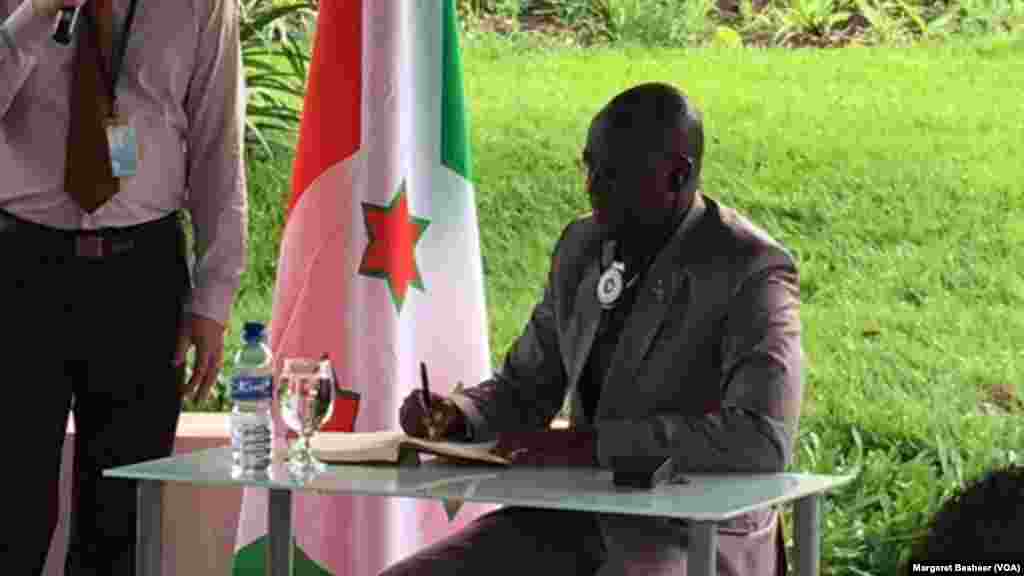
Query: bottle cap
x,y
253,331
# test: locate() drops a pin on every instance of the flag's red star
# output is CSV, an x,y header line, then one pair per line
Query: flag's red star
x,y
391,253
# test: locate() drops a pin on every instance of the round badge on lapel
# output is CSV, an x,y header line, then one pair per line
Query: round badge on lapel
x,y
609,286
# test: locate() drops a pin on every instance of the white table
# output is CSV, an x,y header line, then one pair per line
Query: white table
x,y
704,501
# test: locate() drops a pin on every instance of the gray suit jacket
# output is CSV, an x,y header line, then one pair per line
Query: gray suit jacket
x,y
708,370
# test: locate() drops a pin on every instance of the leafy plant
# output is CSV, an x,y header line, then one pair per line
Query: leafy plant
x,y
792,22
808,17
753,22
926,28
658,22
572,11
979,17
275,54
696,22
592,20
886,21
727,37
503,8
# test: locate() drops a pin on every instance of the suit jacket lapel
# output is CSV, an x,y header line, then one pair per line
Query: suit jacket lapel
x,y
664,283
586,320
657,293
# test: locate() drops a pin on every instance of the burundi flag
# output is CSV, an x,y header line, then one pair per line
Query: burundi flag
x,y
380,262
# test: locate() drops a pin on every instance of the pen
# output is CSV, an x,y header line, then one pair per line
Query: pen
x,y
425,392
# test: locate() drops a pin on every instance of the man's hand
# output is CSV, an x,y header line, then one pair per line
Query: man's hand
x,y
207,336
50,8
445,422
572,447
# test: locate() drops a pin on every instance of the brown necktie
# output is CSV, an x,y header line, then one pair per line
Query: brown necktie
x,y
88,175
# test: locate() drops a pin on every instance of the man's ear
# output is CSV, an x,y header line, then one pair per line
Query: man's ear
x,y
683,175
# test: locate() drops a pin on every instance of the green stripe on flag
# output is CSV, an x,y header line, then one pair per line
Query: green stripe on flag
x,y
454,125
251,560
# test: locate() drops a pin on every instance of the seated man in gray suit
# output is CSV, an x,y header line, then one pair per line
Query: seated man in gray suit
x,y
672,323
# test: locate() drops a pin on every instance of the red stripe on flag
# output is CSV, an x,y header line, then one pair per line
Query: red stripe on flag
x,y
332,111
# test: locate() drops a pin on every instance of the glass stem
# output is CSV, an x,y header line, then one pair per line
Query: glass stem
x,y
307,450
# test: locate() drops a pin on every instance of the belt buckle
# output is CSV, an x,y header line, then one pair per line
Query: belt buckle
x,y
89,246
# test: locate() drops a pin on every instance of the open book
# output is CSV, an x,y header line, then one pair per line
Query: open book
x,y
395,447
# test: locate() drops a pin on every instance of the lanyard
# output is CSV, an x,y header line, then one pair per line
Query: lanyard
x,y
114,74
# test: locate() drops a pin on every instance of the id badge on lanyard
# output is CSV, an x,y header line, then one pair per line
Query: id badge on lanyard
x,y
124,146
122,139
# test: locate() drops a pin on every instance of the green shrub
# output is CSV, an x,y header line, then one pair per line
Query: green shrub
x,y
275,53
787,22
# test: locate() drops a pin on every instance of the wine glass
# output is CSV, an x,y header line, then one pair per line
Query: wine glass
x,y
306,398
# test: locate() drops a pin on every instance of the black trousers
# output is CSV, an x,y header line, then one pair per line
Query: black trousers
x,y
94,334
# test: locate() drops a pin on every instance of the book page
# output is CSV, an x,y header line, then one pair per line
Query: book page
x,y
385,446
381,446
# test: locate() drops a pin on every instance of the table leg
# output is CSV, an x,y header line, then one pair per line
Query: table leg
x,y
280,560
148,549
702,554
807,536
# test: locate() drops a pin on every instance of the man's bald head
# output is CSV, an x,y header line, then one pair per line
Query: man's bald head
x,y
646,122
643,156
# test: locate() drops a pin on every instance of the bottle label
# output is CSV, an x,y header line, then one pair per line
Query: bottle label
x,y
258,432
252,387
251,444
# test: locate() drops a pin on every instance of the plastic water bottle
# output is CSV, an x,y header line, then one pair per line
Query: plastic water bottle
x,y
252,395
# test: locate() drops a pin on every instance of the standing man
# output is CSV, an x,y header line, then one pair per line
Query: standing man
x,y
673,324
104,143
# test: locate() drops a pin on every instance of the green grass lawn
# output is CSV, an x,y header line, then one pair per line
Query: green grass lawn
x,y
895,175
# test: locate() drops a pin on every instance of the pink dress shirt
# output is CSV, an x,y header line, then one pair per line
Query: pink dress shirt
x,y
183,89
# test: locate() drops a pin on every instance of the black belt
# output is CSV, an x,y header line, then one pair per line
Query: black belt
x,y
93,244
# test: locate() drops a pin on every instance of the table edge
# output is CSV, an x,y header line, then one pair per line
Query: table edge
x,y
126,472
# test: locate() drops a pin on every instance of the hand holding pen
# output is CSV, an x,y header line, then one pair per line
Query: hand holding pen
x,y
425,414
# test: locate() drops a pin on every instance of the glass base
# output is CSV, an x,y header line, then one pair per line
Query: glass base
x,y
301,459
305,471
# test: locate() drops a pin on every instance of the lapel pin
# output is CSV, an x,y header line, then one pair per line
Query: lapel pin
x,y
659,292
